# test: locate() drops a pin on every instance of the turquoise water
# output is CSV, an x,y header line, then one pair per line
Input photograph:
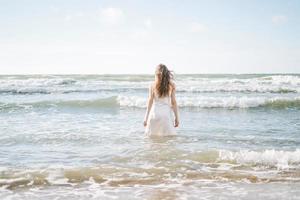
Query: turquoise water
x,y
81,136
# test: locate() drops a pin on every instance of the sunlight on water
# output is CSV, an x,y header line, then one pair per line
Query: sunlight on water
x,y
82,136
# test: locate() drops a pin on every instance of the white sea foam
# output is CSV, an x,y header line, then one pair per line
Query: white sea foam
x,y
218,102
267,84
230,102
278,158
60,84
114,175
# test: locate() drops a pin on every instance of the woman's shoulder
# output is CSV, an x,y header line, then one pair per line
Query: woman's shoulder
x,y
152,85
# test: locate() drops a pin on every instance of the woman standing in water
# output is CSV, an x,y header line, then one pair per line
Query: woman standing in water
x,y
161,102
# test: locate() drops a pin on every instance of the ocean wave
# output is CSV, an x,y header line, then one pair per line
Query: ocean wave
x,y
217,165
235,89
35,85
33,91
45,81
265,84
277,158
283,79
24,91
183,102
190,84
279,79
180,89
93,103
219,102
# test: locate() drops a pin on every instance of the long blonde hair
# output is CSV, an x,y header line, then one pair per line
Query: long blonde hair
x,y
163,84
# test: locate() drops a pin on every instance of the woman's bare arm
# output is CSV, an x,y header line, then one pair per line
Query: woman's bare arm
x,y
174,105
149,105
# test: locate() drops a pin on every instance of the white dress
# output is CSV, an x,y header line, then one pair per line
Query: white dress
x,y
161,120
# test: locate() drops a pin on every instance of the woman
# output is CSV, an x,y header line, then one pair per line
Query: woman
x,y
161,102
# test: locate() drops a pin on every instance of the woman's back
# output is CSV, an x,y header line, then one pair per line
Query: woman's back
x,y
161,105
164,99
160,119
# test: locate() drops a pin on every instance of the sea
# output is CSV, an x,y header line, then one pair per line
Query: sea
x,y
82,137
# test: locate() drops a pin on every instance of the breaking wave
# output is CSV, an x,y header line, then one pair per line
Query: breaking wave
x,y
20,85
184,102
222,165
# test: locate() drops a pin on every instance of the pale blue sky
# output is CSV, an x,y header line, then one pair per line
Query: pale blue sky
x,y
191,36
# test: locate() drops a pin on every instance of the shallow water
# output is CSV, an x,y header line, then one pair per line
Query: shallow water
x,y
81,136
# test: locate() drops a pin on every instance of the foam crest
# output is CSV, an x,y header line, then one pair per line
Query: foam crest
x,y
283,79
278,158
265,84
219,102
212,165
191,84
37,82
183,102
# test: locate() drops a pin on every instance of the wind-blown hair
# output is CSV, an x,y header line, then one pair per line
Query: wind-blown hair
x,y
164,80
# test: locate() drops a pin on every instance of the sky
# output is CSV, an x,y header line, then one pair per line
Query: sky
x,y
134,36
